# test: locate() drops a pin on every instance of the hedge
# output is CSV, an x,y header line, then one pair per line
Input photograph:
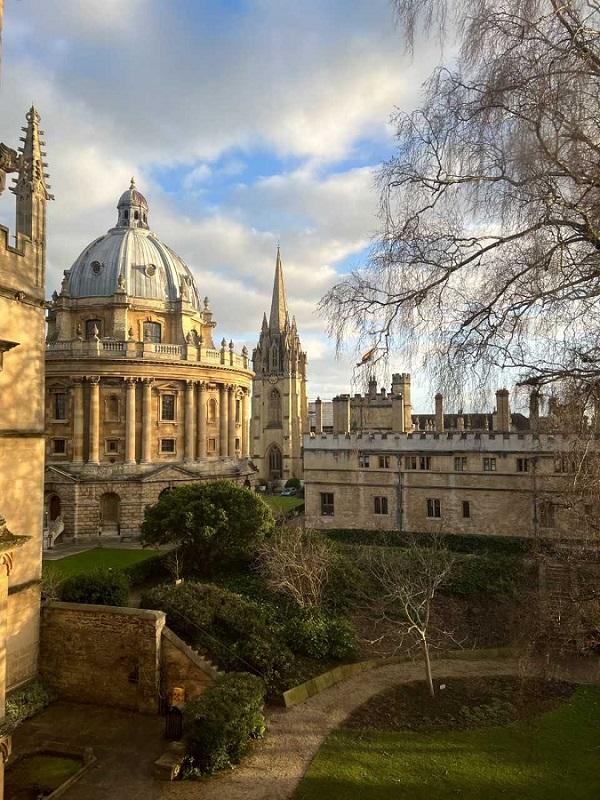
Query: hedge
x,y
457,543
219,725
101,587
149,569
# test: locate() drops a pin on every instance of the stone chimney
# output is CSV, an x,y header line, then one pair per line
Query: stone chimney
x,y
341,414
318,415
439,412
398,413
502,411
534,410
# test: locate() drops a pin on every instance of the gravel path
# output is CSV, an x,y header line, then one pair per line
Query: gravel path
x,y
274,769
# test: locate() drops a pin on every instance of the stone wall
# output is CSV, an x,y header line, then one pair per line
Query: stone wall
x,y
118,657
102,654
183,667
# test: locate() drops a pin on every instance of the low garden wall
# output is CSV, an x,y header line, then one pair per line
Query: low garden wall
x,y
118,657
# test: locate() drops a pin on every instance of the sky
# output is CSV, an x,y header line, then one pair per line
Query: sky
x,y
245,123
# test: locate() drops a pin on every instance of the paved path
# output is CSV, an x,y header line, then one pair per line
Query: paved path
x,y
126,745
274,769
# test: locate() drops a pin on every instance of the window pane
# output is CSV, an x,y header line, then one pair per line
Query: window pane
x,y
60,405
168,407
152,332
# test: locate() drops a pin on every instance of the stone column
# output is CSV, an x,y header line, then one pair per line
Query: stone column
x,y
201,422
246,424
146,421
189,422
94,444
231,427
130,420
222,420
77,450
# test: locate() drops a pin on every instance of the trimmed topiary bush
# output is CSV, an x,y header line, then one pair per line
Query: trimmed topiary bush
x,y
103,587
219,725
293,483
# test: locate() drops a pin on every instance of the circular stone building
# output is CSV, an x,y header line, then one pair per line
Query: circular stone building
x,y
138,398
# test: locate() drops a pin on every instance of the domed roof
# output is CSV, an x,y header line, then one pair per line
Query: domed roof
x,y
131,258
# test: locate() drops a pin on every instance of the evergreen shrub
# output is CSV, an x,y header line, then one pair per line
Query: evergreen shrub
x,y
219,725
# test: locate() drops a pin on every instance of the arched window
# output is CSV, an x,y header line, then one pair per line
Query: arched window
x,y
112,408
90,328
275,463
274,407
212,410
152,332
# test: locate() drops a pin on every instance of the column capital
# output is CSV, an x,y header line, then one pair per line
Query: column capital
x,y
203,385
129,381
94,379
148,381
189,384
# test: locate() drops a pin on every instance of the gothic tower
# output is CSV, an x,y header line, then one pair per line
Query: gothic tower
x,y
279,404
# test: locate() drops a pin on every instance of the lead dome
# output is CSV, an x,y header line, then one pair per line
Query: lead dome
x,y
132,258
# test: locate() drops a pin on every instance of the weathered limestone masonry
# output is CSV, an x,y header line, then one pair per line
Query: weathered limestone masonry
x,y
22,276
279,400
448,473
118,657
138,398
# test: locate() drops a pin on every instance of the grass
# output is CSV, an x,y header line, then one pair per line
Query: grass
x,y
37,773
89,560
281,505
549,757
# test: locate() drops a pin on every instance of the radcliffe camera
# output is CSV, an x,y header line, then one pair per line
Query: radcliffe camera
x,y
299,400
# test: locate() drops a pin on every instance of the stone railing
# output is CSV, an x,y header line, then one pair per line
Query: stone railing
x,y
111,348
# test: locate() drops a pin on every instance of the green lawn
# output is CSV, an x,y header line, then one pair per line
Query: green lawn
x,y
105,557
555,756
281,505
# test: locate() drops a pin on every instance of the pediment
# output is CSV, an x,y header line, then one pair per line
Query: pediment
x,y
168,472
52,473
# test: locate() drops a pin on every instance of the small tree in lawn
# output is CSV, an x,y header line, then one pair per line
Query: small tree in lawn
x,y
298,563
217,524
403,588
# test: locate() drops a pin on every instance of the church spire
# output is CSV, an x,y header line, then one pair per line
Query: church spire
x,y
279,312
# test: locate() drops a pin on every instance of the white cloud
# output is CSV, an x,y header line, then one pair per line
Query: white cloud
x,y
126,87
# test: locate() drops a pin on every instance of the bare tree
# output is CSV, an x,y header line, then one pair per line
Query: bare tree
x,y
489,255
403,590
297,562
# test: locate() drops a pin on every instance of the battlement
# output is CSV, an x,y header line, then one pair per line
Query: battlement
x,y
432,441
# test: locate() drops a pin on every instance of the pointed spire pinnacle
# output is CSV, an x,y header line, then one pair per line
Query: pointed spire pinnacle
x,y
265,324
279,313
32,177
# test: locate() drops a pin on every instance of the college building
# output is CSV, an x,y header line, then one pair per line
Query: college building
x,y
385,468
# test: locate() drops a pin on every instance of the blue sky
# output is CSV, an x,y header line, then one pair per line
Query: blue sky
x,y
245,122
